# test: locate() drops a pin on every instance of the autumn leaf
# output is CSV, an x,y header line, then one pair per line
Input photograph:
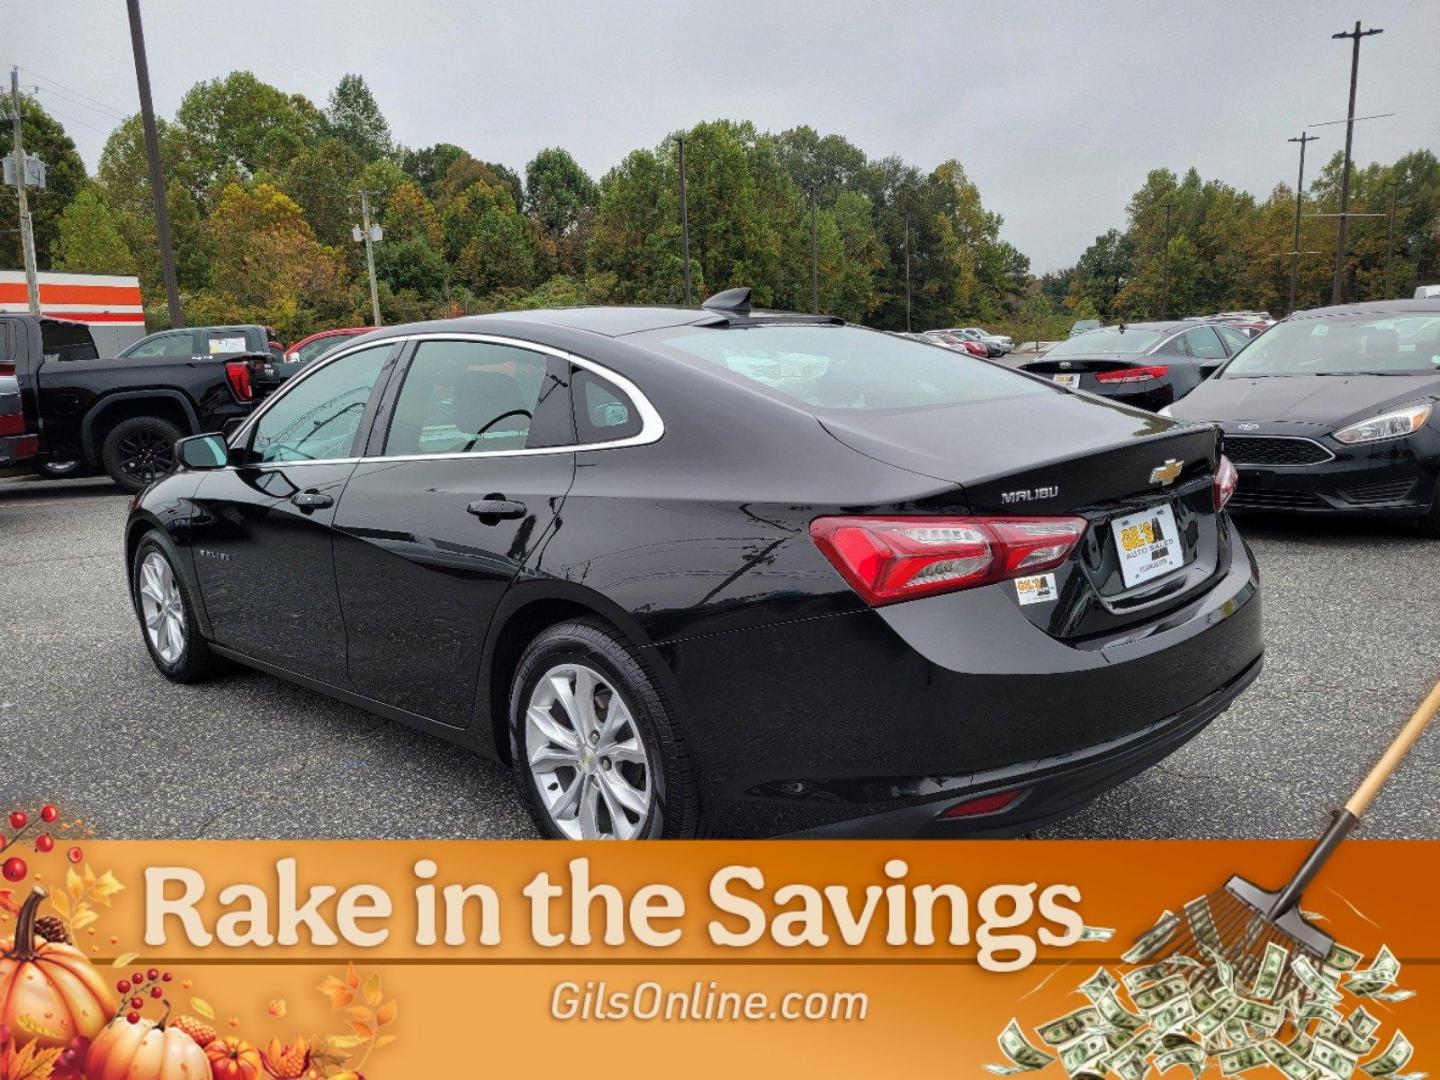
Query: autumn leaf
x,y
384,1040
372,990
339,995
361,1013
83,917
35,1027
33,1063
124,959
365,1031
341,1043
73,884
203,1007
386,1014
352,977
105,887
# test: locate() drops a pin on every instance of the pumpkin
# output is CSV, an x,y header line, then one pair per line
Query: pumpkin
x,y
233,1059
145,1050
49,993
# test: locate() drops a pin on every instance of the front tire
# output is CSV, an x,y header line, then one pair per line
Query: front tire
x,y
139,451
598,755
58,470
166,611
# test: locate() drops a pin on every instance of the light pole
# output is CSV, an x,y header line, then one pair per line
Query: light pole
x,y
814,258
1337,287
157,172
907,275
684,222
368,234
1302,139
1165,309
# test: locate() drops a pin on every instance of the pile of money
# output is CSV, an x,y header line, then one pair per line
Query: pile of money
x,y
1193,1008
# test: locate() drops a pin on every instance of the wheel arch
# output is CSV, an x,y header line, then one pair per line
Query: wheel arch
x,y
123,405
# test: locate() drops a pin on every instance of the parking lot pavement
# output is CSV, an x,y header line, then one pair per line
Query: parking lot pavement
x,y
1353,644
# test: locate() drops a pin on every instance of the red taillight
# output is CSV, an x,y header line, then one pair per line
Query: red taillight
x,y
12,424
7,368
1131,374
890,559
985,804
976,350
1225,480
238,373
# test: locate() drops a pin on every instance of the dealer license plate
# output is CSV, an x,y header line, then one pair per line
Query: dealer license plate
x,y
1148,544
1070,382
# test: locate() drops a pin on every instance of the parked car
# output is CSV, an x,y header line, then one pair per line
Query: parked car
x,y
1001,342
716,570
1081,326
18,443
119,415
953,341
223,343
1148,365
1333,411
318,344
1427,292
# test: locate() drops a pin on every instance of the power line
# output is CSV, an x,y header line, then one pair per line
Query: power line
x,y
94,102
75,120
107,113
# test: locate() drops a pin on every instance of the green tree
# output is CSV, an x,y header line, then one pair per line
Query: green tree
x,y
323,178
428,166
90,240
356,120
45,138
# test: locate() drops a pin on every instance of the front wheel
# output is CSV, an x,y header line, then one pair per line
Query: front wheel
x,y
597,752
139,450
167,614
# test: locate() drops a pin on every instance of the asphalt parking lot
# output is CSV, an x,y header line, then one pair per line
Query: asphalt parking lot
x,y
1353,644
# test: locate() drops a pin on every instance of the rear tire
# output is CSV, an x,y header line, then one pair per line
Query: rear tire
x,y
167,613
140,450
598,753
58,470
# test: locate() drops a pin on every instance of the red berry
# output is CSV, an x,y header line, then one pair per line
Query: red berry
x,y
133,1017
166,977
49,812
14,869
75,854
152,974
137,1003
44,844
138,978
19,819
157,992
123,986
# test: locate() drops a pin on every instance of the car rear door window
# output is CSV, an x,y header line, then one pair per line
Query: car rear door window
x,y
1234,340
464,397
603,413
180,343
317,418
1203,344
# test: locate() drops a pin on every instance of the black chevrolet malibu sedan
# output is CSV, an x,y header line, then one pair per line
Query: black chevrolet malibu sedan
x,y
716,572
1333,411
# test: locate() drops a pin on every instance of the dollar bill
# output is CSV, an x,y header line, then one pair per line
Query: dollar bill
x,y
1223,971
1342,959
1153,940
1213,1019
1241,1059
1190,1056
1381,974
1267,1017
1361,1022
1102,982
1287,1061
1097,933
1335,1060
1391,996
1069,1027
1149,973
1319,987
1346,1038
1023,1057
1396,1056
1173,1015
1084,1051
1272,966
1162,993
1302,1044
1115,1014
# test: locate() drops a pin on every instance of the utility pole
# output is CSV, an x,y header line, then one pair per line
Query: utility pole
x,y
1165,309
157,172
907,275
368,235
1302,139
814,258
1390,242
684,222
27,232
1337,287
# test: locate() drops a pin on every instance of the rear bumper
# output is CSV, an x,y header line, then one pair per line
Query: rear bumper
x,y
1396,478
873,723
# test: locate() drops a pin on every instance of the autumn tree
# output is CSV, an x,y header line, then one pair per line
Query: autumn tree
x,y
90,240
65,176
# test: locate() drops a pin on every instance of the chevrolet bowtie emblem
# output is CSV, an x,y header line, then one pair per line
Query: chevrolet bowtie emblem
x,y
1166,474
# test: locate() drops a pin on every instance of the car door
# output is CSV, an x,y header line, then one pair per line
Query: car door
x,y
470,459
262,544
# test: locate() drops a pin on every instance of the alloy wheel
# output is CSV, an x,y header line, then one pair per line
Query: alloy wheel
x,y
145,455
162,607
586,756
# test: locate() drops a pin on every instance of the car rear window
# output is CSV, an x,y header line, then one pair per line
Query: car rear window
x,y
66,341
847,368
1107,341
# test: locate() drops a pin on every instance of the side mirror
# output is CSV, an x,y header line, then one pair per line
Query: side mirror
x,y
202,452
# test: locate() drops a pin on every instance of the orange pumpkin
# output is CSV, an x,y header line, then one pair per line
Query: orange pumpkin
x,y
145,1051
233,1059
51,985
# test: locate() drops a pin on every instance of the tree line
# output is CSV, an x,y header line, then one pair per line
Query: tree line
x,y
262,190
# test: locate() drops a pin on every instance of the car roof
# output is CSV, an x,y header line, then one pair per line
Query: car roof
x,y
1163,327
1429,306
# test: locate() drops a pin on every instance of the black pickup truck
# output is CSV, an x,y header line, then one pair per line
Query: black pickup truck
x,y
121,415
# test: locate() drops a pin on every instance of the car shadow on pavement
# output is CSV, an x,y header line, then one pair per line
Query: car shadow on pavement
x,y
1342,532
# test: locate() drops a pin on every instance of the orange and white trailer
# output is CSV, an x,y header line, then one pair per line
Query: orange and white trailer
x,y
108,303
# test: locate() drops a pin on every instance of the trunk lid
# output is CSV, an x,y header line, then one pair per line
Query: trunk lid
x,y
1066,454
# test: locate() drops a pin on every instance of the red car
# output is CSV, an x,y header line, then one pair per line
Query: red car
x,y
307,349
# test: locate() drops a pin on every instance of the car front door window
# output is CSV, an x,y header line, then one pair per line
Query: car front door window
x,y
318,418
1204,345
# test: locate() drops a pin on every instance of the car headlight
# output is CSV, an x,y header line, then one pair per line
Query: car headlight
x,y
1165,411
1391,425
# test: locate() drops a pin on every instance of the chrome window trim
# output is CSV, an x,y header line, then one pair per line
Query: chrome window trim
x,y
1288,438
652,427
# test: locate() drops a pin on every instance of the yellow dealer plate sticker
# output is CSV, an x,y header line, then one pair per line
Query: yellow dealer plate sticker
x,y
1148,544
1035,590
1070,382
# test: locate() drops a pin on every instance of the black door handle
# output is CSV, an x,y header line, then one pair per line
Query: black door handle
x,y
312,500
496,509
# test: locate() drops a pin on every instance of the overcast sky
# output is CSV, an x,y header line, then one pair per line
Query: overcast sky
x,y
1056,109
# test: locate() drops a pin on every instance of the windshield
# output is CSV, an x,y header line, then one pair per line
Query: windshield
x,y
1385,345
845,367
1108,341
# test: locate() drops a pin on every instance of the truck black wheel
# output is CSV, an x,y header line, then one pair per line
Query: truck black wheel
x,y
139,450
